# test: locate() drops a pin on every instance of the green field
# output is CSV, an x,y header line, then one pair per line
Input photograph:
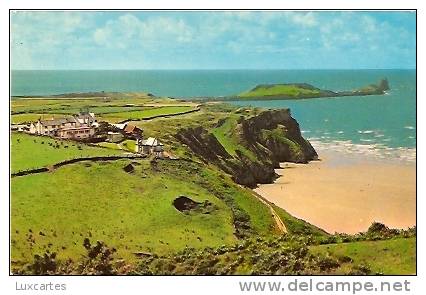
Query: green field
x,y
146,113
107,112
129,145
31,117
96,109
394,256
278,90
110,145
132,212
29,152
48,105
75,104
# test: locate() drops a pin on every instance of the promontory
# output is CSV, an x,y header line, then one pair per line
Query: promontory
x,y
303,91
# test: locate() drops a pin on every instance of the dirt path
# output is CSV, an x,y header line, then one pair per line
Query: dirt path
x,y
278,221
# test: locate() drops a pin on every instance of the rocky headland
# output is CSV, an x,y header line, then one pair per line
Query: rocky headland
x,y
304,91
264,141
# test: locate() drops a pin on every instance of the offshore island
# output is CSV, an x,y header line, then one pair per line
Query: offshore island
x,y
304,91
131,183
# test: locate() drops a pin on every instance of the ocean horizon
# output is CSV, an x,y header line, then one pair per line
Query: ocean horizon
x,y
381,125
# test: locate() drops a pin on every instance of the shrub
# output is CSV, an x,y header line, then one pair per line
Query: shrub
x,y
98,259
43,264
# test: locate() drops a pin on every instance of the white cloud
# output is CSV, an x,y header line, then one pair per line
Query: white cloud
x,y
38,37
304,19
50,37
101,36
128,29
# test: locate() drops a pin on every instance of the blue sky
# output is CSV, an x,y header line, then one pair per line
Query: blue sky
x,y
213,40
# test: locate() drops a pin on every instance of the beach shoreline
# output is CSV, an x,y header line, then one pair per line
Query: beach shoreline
x,y
345,192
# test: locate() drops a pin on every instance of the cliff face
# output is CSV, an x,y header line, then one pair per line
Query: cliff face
x,y
268,138
280,134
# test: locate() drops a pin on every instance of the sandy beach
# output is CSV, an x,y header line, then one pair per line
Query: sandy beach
x,y
346,193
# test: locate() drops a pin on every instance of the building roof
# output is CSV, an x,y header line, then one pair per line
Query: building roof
x,y
119,126
76,128
85,117
80,118
58,121
151,141
131,128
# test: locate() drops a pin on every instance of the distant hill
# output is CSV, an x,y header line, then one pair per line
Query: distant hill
x,y
304,90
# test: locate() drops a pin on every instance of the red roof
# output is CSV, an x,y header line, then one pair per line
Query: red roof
x,y
131,128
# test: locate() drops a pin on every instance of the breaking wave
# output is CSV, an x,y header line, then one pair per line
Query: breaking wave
x,y
376,150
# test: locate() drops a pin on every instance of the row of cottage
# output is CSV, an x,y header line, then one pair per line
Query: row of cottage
x,y
83,126
72,127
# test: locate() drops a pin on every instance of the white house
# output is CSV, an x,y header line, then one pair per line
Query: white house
x,y
49,127
77,126
150,146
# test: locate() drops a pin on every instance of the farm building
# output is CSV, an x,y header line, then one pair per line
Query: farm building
x,y
19,127
133,131
86,118
75,132
151,146
49,127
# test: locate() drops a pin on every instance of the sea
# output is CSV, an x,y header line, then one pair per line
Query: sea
x,y
382,126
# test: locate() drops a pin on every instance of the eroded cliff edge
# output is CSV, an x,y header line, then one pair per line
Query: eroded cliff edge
x,y
259,143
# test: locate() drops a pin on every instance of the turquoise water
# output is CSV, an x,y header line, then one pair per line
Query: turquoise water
x,y
383,125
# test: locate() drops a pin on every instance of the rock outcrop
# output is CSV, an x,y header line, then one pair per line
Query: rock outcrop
x,y
268,138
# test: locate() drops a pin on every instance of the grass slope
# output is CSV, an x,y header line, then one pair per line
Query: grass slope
x,y
225,134
279,90
132,212
391,257
29,152
298,226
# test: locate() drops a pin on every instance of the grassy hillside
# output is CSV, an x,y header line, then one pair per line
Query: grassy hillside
x,y
392,257
284,90
289,255
29,152
303,90
298,226
133,212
